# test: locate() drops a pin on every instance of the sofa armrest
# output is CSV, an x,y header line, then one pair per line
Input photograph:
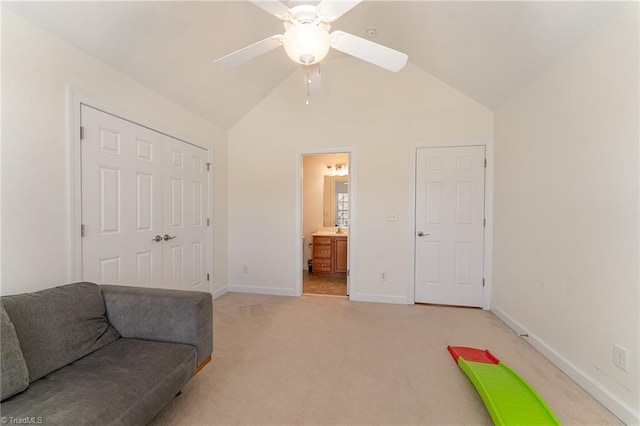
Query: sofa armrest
x,y
162,315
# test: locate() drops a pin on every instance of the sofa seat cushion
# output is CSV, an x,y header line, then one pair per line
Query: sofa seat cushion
x,y
14,374
59,325
124,383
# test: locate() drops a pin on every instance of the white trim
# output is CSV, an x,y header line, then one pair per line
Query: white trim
x,y
619,408
75,185
297,223
220,292
488,232
488,211
411,266
210,240
232,288
75,99
351,259
379,298
352,280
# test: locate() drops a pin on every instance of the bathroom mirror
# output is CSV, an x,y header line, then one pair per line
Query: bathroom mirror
x,y
336,201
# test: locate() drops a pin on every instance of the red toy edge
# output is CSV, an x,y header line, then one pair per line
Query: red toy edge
x,y
472,354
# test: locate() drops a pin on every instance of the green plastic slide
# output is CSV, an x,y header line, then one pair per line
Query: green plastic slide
x,y
508,398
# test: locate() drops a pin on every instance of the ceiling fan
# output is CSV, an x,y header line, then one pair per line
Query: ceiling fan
x,y
307,41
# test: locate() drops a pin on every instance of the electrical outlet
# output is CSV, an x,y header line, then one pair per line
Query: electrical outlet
x,y
245,269
621,358
383,276
392,217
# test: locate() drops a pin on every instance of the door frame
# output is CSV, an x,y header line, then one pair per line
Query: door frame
x,y
351,257
75,99
488,212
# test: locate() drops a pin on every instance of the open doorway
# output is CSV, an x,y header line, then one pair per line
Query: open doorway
x,y
326,219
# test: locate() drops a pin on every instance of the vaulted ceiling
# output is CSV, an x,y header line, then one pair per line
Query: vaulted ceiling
x,y
487,50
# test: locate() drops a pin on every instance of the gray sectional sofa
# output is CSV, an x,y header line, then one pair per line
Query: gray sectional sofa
x,y
83,354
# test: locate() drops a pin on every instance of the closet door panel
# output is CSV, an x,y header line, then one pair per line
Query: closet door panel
x,y
121,201
185,201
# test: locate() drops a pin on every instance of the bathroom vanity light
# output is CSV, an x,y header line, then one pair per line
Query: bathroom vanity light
x,y
338,169
342,170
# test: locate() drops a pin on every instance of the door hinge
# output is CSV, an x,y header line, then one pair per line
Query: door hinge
x,y
208,277
483,282
484,223
81,132
347,272
485,163
82,230
208,166
208,221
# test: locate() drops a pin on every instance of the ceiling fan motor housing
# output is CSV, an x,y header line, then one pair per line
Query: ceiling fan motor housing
x,y
306,39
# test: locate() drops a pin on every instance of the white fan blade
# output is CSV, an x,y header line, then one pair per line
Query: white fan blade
x,y
369,51
312,79
275,8
247,53
330,10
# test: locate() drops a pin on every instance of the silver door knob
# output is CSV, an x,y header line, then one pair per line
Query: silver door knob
x,y
157,238
422,234
167,237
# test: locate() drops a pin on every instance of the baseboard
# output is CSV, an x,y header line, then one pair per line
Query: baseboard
x,y
378,298
619,408
220,292
261,290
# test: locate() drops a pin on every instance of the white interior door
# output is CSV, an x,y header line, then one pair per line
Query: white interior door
x,y
121,201
144,206
449,241
185,189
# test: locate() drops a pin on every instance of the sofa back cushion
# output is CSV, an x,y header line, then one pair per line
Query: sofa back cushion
x,y
59,325
14,376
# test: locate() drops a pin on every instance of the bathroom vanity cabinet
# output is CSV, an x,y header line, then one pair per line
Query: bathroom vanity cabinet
x,y
330,255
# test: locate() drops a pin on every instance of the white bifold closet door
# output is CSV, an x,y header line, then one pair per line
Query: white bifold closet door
x,y
184,200
144,206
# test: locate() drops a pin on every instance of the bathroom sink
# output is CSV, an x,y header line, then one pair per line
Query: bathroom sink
x,y
331,232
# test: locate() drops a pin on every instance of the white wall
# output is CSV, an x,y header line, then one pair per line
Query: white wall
x,y
36,206
378,113
567,211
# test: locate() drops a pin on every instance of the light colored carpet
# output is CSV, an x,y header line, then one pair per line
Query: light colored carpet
x,y
326,360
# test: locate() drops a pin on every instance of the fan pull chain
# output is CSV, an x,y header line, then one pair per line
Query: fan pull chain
x,y
308,84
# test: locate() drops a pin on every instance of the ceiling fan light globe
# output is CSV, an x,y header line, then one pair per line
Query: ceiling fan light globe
x,y
306,43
